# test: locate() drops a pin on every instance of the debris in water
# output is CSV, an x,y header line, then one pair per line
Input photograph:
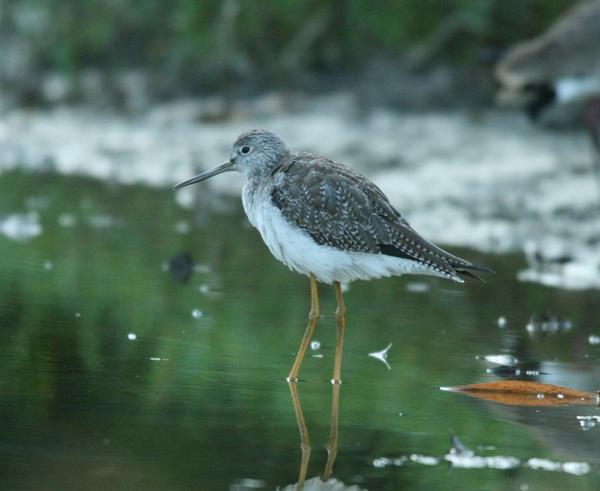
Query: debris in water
x,y
315,345
132,336
382,355
525,393
182,227
197,314
417,287
66,220
594,339
424,459
461,456
21,226
500,359
523,370
247,483
101,221
381,462
547,322
458,448
588,422
501,321
181,267
201,268
575,468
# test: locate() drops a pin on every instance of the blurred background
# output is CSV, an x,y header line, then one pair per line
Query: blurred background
x,y
145,333
131,54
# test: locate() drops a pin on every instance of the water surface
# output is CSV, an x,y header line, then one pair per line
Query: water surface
x,y
116,374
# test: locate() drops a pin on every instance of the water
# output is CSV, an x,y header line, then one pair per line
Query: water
x,y
108,380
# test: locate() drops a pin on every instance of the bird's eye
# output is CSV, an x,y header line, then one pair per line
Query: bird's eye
x,y
245,149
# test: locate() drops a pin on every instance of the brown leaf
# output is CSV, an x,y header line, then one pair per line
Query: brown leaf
x,y
526,393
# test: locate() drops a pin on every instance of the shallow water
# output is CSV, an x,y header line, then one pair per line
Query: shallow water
x,y
114,374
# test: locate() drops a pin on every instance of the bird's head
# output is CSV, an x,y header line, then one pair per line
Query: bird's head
x,y
254,153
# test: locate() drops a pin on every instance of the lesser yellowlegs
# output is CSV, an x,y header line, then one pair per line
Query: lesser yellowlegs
x,y
324,220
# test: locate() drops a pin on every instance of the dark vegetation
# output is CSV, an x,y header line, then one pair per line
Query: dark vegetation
x,y
190,46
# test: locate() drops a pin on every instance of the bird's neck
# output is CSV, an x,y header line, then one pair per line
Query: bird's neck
x,y
265,169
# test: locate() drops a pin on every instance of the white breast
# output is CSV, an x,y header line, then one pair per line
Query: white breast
x,y
297,250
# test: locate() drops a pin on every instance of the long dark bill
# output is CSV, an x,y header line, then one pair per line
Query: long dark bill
x,y
227,166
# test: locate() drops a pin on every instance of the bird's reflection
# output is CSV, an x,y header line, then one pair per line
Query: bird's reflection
x,y
325,481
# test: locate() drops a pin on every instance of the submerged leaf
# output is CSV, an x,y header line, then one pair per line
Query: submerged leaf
x,y
526,393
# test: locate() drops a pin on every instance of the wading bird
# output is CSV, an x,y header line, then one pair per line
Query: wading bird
x,y
326,221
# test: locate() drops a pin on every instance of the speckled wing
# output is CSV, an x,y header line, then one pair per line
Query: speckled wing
x,y
340,208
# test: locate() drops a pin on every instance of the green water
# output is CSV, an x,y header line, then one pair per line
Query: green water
x,y
200,402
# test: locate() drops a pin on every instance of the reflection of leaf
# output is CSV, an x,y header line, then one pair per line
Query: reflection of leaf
x,y
526,393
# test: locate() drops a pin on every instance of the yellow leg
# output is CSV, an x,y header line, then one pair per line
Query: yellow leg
x,y
340,315
304,441
313,316
332,447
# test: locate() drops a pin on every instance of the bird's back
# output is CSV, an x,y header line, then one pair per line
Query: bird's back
x,y
341,209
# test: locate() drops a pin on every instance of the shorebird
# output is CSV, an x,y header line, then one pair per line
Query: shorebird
x,y
559,67
327,221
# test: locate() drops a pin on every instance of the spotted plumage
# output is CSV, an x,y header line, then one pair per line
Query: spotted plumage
x,y
327,221
320,217
339,208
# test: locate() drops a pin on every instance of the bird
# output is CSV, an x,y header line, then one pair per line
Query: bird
x,y
559,68
328,222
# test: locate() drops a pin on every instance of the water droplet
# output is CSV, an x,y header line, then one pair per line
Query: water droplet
x,y
201,268
315,345
400,461
547,322
132,336
593,339
424,459
66,220
197,314
417,287
501,359
587,424
182,227
381,462
21,227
